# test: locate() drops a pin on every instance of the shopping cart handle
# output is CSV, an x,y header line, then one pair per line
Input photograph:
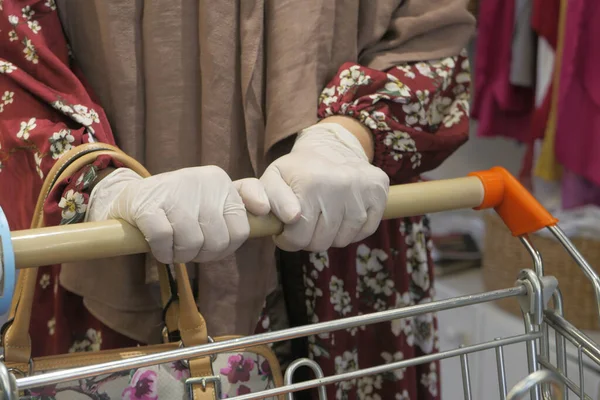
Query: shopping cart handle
x,y
494,188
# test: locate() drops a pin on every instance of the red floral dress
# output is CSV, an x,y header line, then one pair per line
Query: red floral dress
x,y
418,114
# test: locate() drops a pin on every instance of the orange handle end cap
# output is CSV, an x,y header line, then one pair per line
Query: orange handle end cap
x,y
519,210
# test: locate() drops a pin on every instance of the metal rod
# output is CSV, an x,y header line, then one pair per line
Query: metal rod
x,y
590,348
532,382
466,377
304,362
532,359
56,377
581,377
502,386
97,240
382,369
580,260
572,385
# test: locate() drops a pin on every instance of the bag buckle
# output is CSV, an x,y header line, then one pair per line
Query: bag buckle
x,y
203,381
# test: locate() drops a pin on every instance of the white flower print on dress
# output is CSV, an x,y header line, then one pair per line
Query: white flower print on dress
x,y
430,380
424,69
368,260
392,358
340,299
30,51
367,387
7,67
51,4
415,114
394,87
424,331
26,127
45,281
319,260
404,325
403,396
328,96
454,116
84,116
408,72
352,76
72,204
402,143
347,362
8,97
51,326
373,120
91,342
13,20
12,36
27,12
34,26
438,109
416,256
60,143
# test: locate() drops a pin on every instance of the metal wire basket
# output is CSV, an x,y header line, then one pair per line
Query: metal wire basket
x,y
537,294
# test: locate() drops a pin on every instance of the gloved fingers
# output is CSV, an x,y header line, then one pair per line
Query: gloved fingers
x,y
297,236
355,217
254,196
374,200
326,229
236,220
227,231
157,229
188,238
284,202
374,215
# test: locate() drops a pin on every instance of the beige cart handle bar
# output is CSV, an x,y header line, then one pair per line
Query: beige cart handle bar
x,y
494,188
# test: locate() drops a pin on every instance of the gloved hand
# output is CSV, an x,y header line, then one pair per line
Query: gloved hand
x,y
325,190
192,214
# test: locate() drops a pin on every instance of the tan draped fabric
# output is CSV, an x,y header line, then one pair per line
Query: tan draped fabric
x,y
197,82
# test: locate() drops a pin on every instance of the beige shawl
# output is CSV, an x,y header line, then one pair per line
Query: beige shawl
x,y
197,82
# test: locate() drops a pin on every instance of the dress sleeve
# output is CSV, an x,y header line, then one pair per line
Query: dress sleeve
x,y
418,112
45,111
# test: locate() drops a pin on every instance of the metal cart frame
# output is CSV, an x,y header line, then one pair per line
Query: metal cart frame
x,y
538,295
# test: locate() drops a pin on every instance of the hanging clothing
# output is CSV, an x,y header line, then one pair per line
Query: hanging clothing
x,y
578,125
501,109
522,62
546,166
157,116
577,191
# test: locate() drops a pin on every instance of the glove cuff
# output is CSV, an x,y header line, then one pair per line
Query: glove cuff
x,y
106,191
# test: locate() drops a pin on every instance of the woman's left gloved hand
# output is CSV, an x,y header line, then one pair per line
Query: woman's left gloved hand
x,y
325,190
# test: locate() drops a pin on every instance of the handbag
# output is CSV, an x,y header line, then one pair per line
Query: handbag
x,y
220,376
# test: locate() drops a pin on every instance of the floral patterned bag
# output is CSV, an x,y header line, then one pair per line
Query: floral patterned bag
x,y
222,376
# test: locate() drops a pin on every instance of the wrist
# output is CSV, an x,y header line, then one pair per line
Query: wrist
x,y
357,129
106,190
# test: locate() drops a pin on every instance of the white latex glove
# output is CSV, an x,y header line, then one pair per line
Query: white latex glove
x,y
325,190
192,214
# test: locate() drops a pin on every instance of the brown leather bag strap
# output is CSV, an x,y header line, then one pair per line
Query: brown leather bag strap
x,y
17,346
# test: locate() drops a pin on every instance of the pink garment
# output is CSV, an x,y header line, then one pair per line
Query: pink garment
x,y
577,191
578,125
500,108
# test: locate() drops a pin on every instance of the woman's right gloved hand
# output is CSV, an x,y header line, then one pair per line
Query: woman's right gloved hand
x,y
192,214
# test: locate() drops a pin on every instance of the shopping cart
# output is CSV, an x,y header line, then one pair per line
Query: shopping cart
x,y
538,295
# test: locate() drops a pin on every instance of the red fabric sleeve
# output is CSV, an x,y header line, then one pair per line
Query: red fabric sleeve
x,y
418,112
45,110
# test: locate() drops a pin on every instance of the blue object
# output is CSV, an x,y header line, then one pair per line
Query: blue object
x,y
8,265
